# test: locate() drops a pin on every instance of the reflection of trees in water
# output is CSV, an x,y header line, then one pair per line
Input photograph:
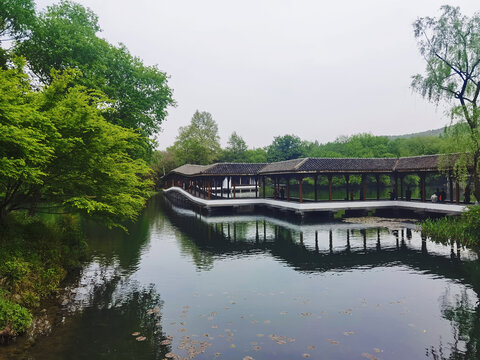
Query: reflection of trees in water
x,y
464,316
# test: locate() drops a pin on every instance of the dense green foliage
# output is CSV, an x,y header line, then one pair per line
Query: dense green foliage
x,y
197,143
465,229
450,45
58,148
36,254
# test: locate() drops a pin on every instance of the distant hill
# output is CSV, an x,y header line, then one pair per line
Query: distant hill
x,y
436,132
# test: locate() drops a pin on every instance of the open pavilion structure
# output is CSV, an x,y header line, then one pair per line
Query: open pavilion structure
x,y
222,180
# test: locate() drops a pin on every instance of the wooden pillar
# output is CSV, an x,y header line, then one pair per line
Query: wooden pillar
x,y
315,187
450,184
264,186
330,188
256,188
234,184
228,186
396,185
300,181
221,187
364,186
275,193
347,182
457,192
377,179
422,187
209,189
401,186
288,188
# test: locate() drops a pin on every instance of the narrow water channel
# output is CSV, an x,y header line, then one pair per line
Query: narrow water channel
x,y
258,287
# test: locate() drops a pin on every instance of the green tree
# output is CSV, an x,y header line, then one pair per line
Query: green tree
x,y
258,155
59,154
197,143
285,148
450,45
65,36
236,149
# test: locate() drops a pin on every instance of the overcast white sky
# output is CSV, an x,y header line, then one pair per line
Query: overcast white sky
x,y
262,68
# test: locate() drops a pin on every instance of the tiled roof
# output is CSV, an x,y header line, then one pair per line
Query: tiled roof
x,y
349,164
323,165
234,169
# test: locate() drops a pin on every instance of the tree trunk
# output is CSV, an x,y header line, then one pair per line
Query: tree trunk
x,y
475,175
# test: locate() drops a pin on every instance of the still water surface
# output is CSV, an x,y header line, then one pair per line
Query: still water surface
x,y
263,288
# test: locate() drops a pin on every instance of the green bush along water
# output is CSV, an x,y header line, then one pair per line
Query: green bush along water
x,y
36,254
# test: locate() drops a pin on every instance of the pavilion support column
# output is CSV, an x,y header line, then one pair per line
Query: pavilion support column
x,y
228,186
401,186
256,187
315,187
347,183
450,184
377,180
288,188
263,186
234,184
396,185
221,187
364,186
209,189
422,187
300,181
330,188
457,192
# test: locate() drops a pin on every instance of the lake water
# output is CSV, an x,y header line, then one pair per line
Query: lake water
x,y
264,288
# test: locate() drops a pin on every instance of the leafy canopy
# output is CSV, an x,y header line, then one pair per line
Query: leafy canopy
x,y
197,143
57,147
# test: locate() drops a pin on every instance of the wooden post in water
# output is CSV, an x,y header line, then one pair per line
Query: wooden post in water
x,y
330,188
330,240
300,181
316,240
315,186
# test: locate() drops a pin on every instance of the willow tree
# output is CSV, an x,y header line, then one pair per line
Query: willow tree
x,y
450,45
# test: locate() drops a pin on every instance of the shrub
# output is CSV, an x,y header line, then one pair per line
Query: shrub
x,y
14,319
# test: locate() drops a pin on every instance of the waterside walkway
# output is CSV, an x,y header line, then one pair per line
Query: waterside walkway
x,y
330,207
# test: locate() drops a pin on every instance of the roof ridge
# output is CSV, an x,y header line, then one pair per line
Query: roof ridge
x,y
300,163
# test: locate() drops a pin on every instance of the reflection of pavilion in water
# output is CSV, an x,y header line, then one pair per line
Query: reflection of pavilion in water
x,y
323,247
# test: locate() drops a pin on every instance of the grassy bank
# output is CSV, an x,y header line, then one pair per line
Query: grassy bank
x,y
36,254
465,229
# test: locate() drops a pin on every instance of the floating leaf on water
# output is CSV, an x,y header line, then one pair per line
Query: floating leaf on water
x,y
283,313
310,347
227,308
232,346
170,337
229,322
186,307
257,348
281,342
347,333
267,322
369,356
206,335
214,326
333,342
158,324
136,333
156,310
182,330
306,355
411,325
248,358
165,342
170,355
306,314
291,340
173,323
254,321
377,350
141,338
217,354
260,335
